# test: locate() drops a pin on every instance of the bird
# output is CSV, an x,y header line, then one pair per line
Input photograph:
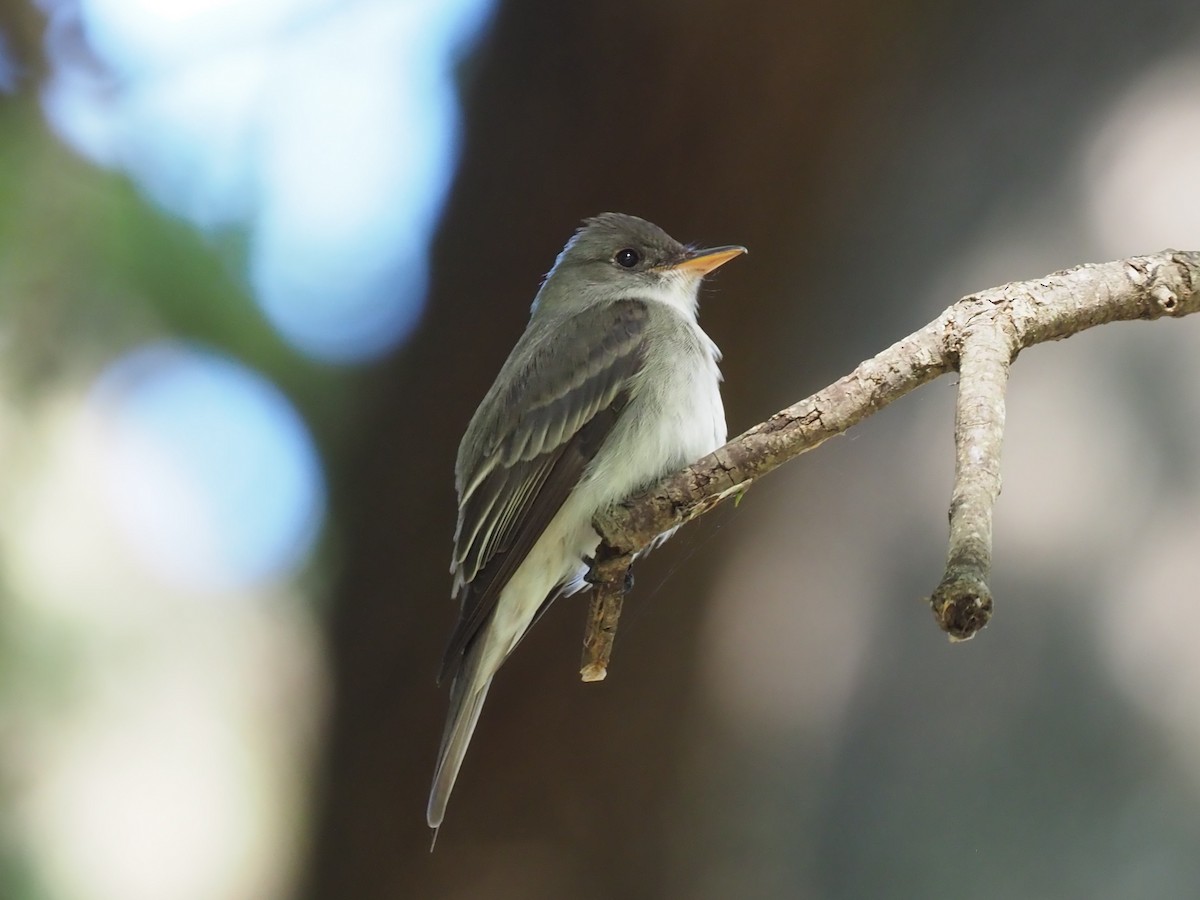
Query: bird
x,y
612,385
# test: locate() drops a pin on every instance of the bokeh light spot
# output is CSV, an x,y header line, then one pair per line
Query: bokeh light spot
x,y
1141,169
329,131
212,475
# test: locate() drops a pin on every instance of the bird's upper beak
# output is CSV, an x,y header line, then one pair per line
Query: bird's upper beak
x,y
704,261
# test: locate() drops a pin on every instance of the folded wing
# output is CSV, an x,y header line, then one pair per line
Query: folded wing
x,y
529,445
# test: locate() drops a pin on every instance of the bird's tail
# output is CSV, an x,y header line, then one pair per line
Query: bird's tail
x,y
467,694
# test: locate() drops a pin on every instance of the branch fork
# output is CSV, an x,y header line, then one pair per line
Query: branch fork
x,y
980,337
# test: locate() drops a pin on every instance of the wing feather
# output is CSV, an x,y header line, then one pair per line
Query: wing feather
x,y
552,405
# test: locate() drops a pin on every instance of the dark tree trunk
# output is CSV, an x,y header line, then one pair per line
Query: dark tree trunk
x,y
714,124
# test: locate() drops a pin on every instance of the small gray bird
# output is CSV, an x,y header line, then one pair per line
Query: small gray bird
x,y
612,386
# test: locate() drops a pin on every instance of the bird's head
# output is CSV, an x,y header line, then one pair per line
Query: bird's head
x,y
614,256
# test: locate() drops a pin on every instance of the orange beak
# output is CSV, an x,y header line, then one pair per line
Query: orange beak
x,y
704,261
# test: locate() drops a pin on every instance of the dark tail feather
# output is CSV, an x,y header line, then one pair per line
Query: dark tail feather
x,y
466,702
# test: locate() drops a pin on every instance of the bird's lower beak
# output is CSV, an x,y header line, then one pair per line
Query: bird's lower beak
x,y
704,261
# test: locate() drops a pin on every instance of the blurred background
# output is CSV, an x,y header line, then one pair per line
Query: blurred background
x,y
260,260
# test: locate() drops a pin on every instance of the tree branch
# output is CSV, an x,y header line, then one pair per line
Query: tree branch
x,y
979,336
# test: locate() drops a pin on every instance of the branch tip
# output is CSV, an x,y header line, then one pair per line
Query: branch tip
x,y
962,606
611,580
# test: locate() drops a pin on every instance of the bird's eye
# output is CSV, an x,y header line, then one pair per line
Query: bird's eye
x,y
627,258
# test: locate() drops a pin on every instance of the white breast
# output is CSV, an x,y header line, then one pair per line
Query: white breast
x,y
674,417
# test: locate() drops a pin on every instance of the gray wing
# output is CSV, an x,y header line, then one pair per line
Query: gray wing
x,y
553,404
